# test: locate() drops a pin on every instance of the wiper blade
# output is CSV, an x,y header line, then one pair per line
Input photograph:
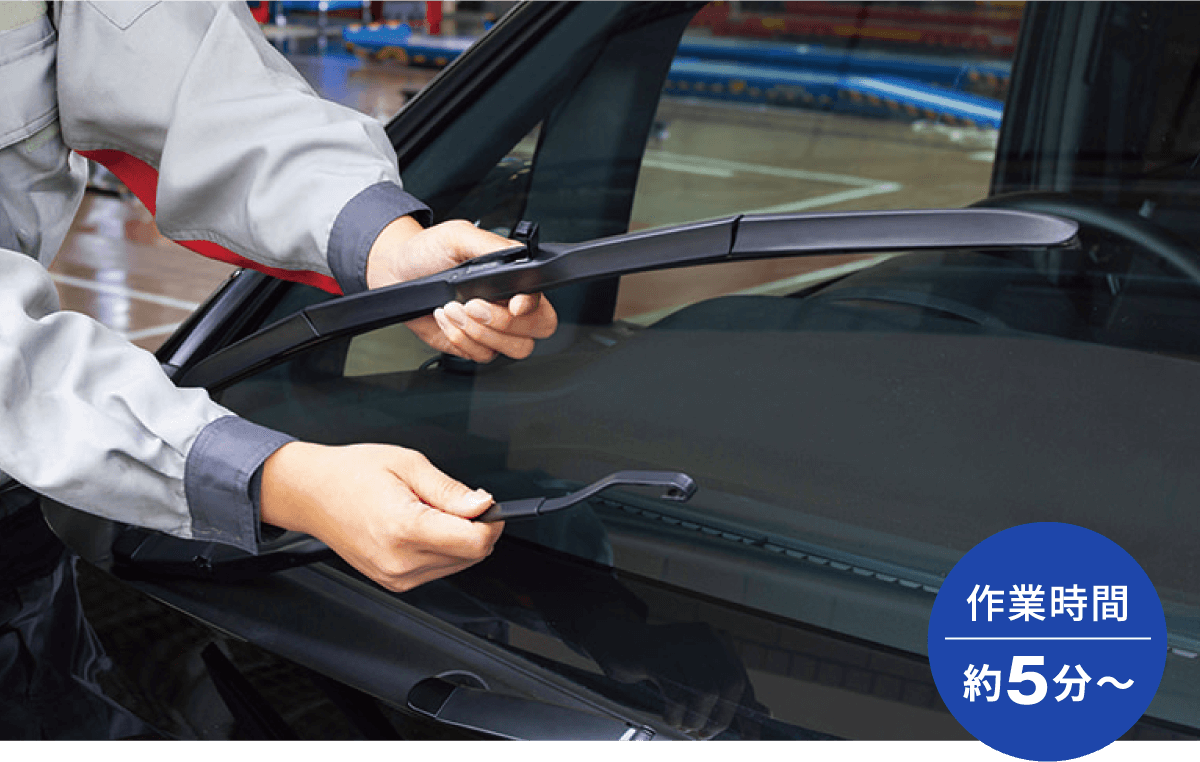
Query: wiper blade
x,y
532,268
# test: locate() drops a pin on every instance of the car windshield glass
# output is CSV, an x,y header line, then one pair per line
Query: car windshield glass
x,y
857,422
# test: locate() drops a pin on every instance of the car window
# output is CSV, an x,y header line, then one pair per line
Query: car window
x,y
751,121
855,423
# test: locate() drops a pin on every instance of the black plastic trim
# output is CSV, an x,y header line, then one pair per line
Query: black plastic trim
x,y
454,88
141,552
219,320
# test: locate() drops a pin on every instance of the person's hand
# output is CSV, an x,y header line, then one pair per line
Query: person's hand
x,y
385,510
479,329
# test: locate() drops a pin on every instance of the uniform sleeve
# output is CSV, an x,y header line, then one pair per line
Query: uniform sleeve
x,y
239,160
91,421
229,147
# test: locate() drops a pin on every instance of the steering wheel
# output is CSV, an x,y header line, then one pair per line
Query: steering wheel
x,y
1150,236
1126,225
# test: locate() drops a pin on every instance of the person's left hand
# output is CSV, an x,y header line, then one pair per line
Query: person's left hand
x,y
478,330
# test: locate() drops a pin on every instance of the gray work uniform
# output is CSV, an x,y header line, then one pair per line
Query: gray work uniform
x,y
234,153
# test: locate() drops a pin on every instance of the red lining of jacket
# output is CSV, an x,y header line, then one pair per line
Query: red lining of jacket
x,y
142,179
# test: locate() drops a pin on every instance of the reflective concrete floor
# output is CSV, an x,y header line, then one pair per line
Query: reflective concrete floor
x,y
705,160
116,267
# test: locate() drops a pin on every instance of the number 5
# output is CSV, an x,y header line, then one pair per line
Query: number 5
x,y
1017,675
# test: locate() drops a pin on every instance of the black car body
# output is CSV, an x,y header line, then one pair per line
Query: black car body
x,y
852,434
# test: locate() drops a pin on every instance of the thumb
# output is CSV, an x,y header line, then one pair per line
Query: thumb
x,y
439,490
524,304
464,241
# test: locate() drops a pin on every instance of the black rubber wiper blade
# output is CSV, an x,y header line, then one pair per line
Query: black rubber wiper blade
x,y
532,267
763,235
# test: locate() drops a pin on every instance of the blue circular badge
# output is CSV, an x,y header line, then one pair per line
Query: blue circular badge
x,y
1047,641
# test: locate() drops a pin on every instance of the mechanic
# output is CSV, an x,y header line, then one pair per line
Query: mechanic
x,y
191,106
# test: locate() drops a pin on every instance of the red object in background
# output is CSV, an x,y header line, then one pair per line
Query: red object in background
x,y
994,20
260,10
989,30
433,17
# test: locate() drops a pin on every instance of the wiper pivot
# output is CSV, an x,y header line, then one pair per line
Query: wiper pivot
x,y
676,486
145,551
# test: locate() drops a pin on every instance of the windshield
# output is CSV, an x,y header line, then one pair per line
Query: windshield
x,y
855,422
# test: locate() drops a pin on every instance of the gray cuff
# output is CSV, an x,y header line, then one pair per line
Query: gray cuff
x,y
217,480
359,223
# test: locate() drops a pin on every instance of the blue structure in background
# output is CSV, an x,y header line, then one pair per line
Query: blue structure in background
x,y
933,70
398,41
869,84
868,95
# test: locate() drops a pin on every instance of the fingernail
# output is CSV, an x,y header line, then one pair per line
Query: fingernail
x,y
479,311
457,314
522,304
476,499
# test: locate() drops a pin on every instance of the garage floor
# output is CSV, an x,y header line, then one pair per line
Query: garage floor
x,y
116,267
707,159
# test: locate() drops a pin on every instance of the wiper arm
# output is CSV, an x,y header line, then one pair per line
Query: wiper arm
x,y
677,486
147,552
533,267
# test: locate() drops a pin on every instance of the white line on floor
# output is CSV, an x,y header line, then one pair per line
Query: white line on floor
x,y
828,198
143,333
114,289
725,168
763,169
691,169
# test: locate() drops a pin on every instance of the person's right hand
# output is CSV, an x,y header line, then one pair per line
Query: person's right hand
x,y
386,510
479,329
